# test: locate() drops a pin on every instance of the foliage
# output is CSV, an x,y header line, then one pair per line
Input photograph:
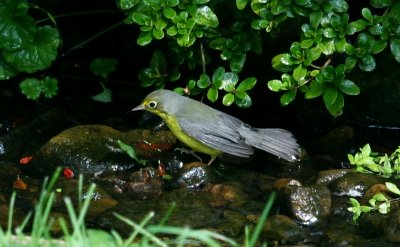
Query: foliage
x,y
143,233
215,39
32,88
379,202
102,67
329,37
26,48
367,161
131,152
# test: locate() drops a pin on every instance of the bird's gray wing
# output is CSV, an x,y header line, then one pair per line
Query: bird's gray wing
x,y
217,130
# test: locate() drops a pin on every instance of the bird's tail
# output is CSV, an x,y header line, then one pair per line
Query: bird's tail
x,y
278,142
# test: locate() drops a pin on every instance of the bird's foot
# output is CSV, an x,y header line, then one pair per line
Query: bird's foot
x,y
189,151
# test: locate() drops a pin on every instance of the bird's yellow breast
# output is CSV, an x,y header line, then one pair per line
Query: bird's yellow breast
x,y
194,144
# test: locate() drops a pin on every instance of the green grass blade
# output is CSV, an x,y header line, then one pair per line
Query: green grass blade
x,y
10,213
257,230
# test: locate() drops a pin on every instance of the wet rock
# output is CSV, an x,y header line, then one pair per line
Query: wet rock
x,y
373,190
391,227
339,207
282,228
8,173
354,184
193,175
144,190
227,194
93,149
307,205
327,176
281,183
371,224
232,223
142,184
340,238
100,199
190,208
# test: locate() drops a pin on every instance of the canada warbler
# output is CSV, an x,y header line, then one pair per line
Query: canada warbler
x,y
213,132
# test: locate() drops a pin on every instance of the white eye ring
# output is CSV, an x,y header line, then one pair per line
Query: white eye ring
x,y
152,104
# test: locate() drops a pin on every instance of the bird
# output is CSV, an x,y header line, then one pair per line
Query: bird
x,y
213,132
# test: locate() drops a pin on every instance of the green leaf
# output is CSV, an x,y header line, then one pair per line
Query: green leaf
x,y
283,62
259,24
327,46
330,95
244,101
384,208
171,3
316,89
104,97
241,4
158,62
395,48
340,44
246,84
392,188
99,238
184,40
228,99
174,75
229,81
169,13
31,88
350,63
204,81
140,18
17,29
212,94
366,13
144,38
205,16
378,46
218,74
288,97
37,55
367,63
127,4
339,5
172,31
130,151
49,86
306,43
366,150
315,18
6,70
218,44
158,34
237,62
299,73
103,66
313,54
329,33
356,26
349,87
336,108
380,3
275,85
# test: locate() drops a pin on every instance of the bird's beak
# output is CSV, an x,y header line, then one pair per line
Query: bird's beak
x,y
138,108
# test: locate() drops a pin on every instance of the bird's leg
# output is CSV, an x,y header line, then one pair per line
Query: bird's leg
x,y
184,150
211,160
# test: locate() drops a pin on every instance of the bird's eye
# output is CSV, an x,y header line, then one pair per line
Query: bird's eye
x,y
152,104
